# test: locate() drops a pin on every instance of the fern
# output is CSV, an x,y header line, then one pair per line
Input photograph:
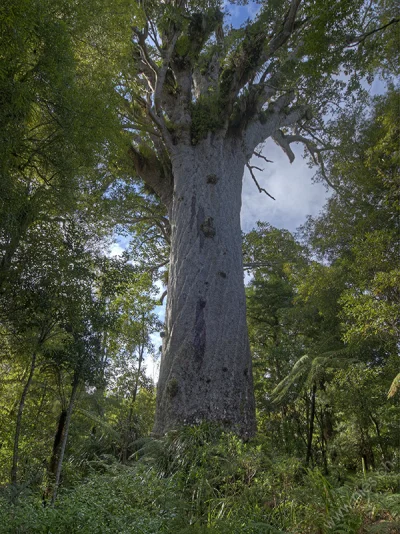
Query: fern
x,y
395,387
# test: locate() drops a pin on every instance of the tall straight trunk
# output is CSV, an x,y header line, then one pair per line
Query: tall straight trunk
x,y
311,425
14,468
57,443
52,467
367,452
128,437
206,370
381,441
24,219
324,442
68,416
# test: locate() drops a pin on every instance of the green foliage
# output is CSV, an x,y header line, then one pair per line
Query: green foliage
x,y
206,116
395,386
324,334
203,480
310,323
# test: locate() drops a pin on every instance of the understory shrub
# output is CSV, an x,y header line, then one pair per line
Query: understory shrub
x,y
204,480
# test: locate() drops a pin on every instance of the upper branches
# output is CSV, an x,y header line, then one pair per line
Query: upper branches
x,y
253,54
195,77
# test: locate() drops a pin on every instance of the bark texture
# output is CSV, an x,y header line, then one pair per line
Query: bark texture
x,y
18,424
64,439
206,371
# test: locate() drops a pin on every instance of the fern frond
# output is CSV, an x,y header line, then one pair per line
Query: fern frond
x,y
298,373
100,422
395,387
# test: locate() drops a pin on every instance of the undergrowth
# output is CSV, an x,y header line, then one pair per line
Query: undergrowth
x,y
201,479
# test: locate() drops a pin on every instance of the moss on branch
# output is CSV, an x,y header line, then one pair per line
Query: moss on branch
x,y
199,30
206,116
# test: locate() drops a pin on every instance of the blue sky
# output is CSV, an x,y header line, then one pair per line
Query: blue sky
x,y
241,13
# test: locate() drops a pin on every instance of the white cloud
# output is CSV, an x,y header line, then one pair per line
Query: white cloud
x,y
115,250
291,186
152,365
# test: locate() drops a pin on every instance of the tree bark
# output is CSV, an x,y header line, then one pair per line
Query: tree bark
x,y
52,467
67,422
380,439
311,425
128,431
57,443
14,468
206,370
24,219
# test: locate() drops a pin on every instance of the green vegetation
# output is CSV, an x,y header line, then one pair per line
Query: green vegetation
x,y
326,457
201,480
77,326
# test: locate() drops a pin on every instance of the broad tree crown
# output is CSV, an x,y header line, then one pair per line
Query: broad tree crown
x,y
193,74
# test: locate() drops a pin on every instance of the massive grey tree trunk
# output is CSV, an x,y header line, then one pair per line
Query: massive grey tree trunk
x,y
200,104
206,371
204,104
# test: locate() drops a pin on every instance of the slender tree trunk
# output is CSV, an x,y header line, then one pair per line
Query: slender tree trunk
x,y
57,444
133,400
140,361
52,467
68,416
311,426
380,440
24,218
367,453
14,468
324,454
206,370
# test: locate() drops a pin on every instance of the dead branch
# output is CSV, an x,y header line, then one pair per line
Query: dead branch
x,y
163,297
260,189
353,40
259,155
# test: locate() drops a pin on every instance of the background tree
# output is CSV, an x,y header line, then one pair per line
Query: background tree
x,y
60,126
342,327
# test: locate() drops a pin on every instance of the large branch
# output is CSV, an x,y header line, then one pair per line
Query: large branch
x,y
162,72
284,141
250,104
153,173
271,120
141,41
354,40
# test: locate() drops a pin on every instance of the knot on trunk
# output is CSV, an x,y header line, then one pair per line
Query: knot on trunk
x,y
207,227
172,387
212,179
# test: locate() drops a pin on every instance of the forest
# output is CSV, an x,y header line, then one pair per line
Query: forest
x,y
126,127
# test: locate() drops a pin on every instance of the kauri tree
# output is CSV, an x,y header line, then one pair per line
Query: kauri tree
x,y
199,99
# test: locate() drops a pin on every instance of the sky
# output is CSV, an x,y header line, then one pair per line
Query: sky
x,y
291,186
